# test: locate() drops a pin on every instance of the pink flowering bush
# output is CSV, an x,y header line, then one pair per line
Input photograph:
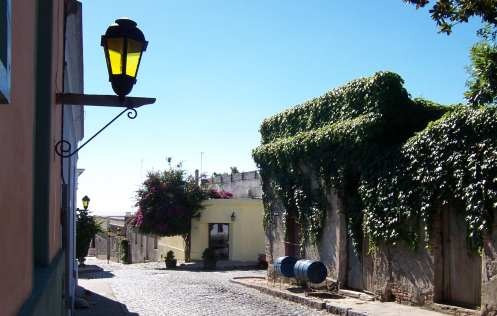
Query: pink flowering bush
x,y
220,194
166,203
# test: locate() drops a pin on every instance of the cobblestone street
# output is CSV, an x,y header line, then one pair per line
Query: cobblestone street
x,y
148,289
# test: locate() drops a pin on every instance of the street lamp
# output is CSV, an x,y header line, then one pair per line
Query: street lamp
x,y
86,201
123,45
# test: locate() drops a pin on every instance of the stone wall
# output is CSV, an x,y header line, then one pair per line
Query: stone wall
x,y
489,273
142,247
108,247
391,273
242,185
331,250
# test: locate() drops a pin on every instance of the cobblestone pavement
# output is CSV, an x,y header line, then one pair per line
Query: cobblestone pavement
x,y
148,289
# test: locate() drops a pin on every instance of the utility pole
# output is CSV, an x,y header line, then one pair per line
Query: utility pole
x,y
201,162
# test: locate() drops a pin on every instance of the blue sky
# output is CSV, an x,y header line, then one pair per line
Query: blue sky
x,y
218,68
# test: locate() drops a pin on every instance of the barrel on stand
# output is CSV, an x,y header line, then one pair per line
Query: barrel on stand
x,y
284,266
310,271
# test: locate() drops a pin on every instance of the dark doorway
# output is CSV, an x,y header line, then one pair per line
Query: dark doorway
x,y
461,272
219,240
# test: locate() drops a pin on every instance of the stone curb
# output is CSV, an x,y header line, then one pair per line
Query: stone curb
x,y
226,268
313,303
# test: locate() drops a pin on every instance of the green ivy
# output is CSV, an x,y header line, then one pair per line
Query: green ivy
x,y
453,160
347,139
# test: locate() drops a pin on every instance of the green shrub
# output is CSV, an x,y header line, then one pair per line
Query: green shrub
x,y
170,260
125,251
86,229
210,258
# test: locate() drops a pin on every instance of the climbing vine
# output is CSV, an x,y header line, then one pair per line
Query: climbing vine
x,y
453,160
393,160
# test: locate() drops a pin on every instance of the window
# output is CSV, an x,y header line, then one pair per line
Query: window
x,y
5,50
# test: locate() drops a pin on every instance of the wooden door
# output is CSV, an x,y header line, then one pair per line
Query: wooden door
x,y
461,267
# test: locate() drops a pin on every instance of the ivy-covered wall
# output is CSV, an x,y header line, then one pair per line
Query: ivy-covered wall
x,y
342,136
393,163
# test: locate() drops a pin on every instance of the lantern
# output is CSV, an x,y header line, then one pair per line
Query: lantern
x,y
86,201
123,45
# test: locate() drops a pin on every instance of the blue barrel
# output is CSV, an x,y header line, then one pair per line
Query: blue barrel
x,y
284,266
310,270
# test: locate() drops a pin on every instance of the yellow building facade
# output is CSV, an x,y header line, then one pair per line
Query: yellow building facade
x,y
231,226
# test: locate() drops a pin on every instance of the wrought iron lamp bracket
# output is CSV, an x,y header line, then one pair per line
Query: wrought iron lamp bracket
x,y
63,148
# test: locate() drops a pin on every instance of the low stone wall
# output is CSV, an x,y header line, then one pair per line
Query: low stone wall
x,y
242,185
142,247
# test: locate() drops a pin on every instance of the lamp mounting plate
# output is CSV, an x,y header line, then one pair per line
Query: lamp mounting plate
x,y
102,100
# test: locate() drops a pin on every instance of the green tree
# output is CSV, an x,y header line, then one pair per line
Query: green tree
x,y
167,202
482,85
86,228
447,13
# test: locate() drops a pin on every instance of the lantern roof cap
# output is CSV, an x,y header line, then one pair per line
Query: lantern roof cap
x,y
125,27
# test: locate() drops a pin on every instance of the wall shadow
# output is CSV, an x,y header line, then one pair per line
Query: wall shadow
x,y
101,306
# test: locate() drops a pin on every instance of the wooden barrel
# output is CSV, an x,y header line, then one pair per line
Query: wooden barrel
x,y
310,271
284,266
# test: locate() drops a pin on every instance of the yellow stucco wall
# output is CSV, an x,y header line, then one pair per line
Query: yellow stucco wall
x,y
175,243
246,233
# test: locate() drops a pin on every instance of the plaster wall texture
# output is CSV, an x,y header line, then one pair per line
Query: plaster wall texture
x,y
16,173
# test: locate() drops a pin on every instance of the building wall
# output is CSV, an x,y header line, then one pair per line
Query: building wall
x,y
73,132
246,232
55,228
32,284
16,173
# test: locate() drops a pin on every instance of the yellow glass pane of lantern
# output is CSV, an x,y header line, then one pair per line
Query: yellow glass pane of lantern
x,y
115,47
133,57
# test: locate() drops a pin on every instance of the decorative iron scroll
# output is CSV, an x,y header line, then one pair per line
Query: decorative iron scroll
x,y
63,148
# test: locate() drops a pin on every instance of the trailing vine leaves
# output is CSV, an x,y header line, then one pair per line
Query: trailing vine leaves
x,y
453,160
395,160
